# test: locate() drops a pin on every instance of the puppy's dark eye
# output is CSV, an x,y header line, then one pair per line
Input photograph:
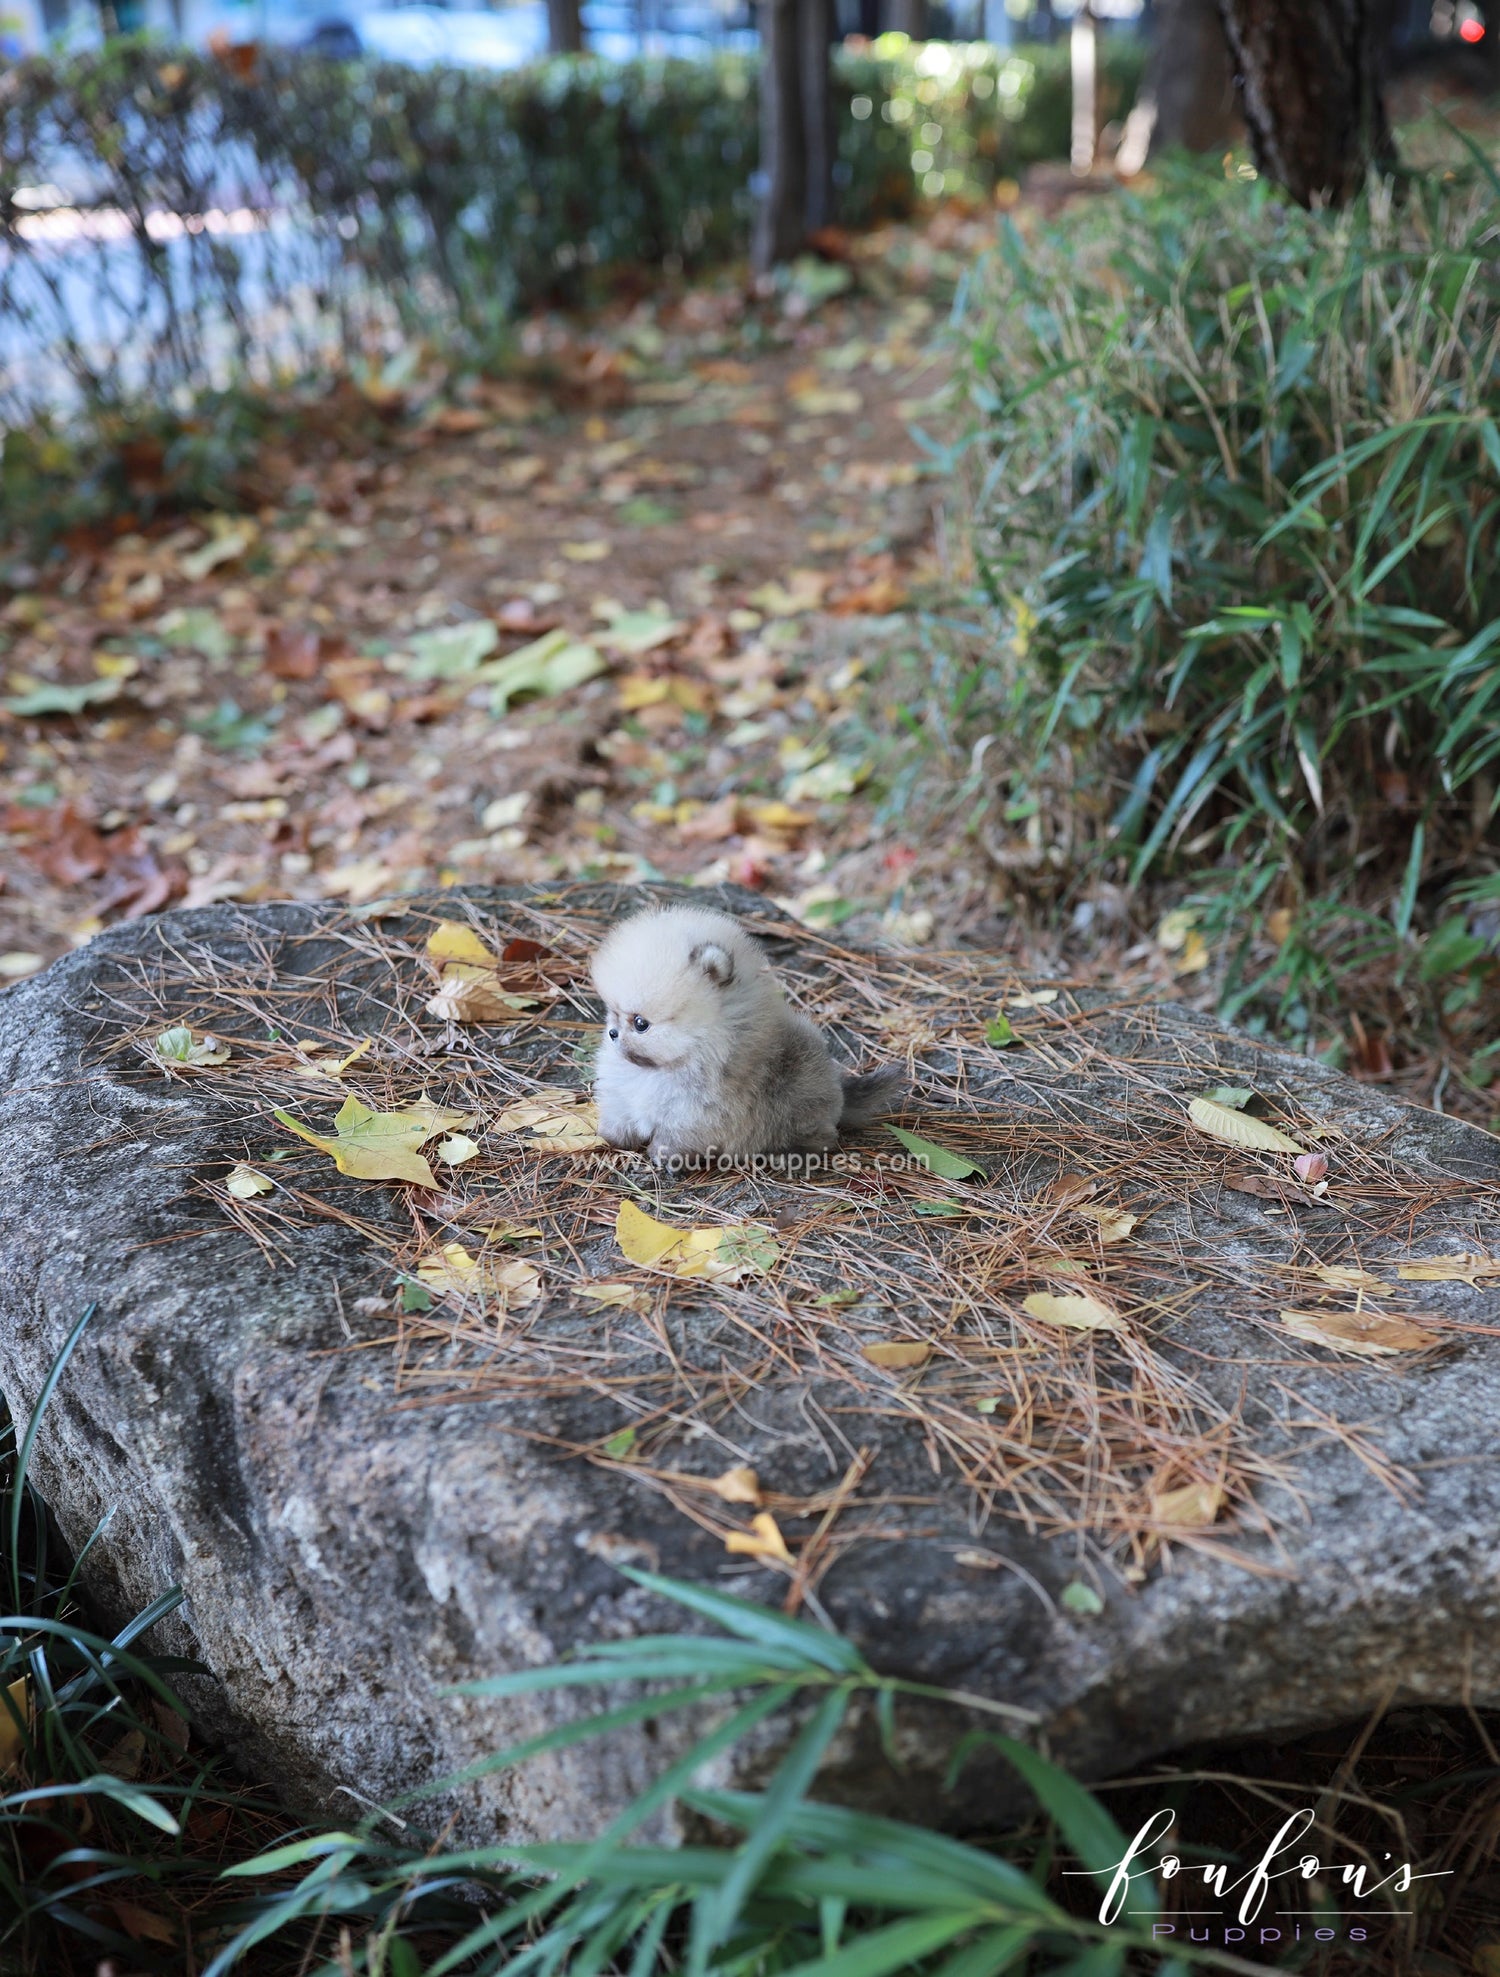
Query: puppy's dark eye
x,y
614,1034
639,1025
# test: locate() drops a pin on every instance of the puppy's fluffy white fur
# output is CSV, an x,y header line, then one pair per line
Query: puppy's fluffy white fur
x,y
701,1055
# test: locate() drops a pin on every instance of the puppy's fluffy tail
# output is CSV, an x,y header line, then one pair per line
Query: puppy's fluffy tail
x,y
869,1095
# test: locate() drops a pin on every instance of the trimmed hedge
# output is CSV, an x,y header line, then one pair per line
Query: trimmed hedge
x,y
220,225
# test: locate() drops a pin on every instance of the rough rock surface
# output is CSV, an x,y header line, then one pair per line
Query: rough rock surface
x,y
360,1515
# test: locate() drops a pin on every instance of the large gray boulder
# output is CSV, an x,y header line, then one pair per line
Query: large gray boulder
x,y
363,1504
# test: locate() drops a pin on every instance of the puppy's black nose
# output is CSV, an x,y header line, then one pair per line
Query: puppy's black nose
x,y
614,1036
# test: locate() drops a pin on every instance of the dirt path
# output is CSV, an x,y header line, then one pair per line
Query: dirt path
x,y
714,507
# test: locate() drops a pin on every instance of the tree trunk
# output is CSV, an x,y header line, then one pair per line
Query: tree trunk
x,y
1187,96
815,35
1084,59
564,27
781,219
1310,75
907,17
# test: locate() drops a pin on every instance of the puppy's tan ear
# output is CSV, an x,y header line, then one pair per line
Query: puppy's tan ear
x,y
716,962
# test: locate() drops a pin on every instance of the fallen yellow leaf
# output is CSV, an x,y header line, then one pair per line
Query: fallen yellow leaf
x,y
895,1355
1172,934
1344,1277
380,1146
453,1268
1450,1269
762,1540
621,1296
451,940
1194,956
779,816
1190,1504
1078,1311
474,995
1222,1122
1113,1224
12,1742
740,1485
718,1255
456,1149
559,1121
455,1272
246,1182
1372,1333
330,1067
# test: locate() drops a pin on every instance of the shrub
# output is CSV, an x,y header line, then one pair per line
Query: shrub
x,y
200,225
1236,513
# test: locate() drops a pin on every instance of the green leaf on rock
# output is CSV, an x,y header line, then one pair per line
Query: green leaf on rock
x,y
936,1159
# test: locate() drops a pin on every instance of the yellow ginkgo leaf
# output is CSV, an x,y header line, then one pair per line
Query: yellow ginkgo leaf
x,y
451,1268
559,1121
1222,1122
1370,1333
617,1296
454,1271
330,1067
762,1540
437,1118
246,1182
719,1255
451,940
1191,1504
380,1146
1113,1224
474,995
740,1485
1077,1311
576,1131
896,1355
1344,1277
515,1283
1450,1269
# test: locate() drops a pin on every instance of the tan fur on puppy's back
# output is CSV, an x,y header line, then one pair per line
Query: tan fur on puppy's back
x,y
700,1053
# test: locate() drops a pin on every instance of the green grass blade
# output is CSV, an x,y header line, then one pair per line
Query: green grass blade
x,y
23,1458
793,1776
762,1624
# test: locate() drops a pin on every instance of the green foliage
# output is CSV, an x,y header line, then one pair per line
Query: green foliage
x,y
343,195
1236,512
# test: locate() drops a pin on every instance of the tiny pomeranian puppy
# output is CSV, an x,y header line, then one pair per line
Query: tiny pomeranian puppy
x,y
701,1055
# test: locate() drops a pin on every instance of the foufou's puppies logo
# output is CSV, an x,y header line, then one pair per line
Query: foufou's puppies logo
x,y
1250,1890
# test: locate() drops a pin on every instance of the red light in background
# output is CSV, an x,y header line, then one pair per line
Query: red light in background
x,y
1471,30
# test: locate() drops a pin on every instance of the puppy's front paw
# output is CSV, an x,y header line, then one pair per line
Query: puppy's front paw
x,y
676,1158
626,1134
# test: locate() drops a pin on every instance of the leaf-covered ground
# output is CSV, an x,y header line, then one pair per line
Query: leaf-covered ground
x,y
680,595
698,521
